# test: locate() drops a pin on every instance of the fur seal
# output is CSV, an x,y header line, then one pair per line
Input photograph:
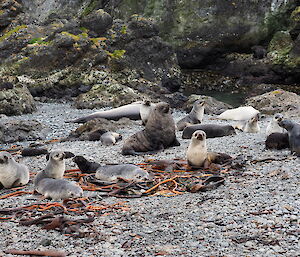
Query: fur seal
x,y
159,133
277,141
110,138
111,173
211,130
197,150
131,111
240,113
86,166
194,117
145,110
58,189
49,182
12,174
249,126
293,129
273,126
197,154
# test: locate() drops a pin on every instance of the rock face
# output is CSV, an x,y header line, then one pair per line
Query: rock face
x,y
12,130
277,101
15,99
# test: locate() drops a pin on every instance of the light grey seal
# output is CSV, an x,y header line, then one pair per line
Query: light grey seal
x,y
12,174
110,138
131,111
50,182
249,126
273,126
194,117
145,110
293,130
211,130
131,172
159,133
58,189
240,113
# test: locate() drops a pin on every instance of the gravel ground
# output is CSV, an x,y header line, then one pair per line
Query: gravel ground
x,y
256,212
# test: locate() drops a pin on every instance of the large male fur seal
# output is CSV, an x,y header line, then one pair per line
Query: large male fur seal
x,y
131,111
293,129
111,173
12,174
194,117
159,133
273,126
49,182
240,113
211,130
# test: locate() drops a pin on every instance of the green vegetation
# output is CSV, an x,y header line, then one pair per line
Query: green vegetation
x,y
295,16
124,29
38,40
14,30
117,54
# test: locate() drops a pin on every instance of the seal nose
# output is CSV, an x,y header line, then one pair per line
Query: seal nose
x,y
199,137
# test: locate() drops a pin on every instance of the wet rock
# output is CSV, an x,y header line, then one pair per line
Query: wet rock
x,y
277,101
15,100
98,22
93,129
12,130
212,105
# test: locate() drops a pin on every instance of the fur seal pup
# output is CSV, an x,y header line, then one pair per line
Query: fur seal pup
x,y
240,113
86,166
197,150
58,189
277,141
110,138
273,126
49,182
249,126
12,174
158,134
197,154
131,111
145,110
293,130
111,173
194,117
211,130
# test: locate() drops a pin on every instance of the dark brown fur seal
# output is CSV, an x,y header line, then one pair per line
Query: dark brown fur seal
x,y
293,129
211,130
86,166
159,133
277,141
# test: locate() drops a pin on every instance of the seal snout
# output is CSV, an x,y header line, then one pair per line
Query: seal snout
x,y
199,135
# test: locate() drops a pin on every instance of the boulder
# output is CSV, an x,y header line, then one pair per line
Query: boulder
x,y
12,130
15,99
277,101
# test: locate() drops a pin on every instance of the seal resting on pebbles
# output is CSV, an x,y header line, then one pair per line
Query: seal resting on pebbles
x,y
211,130
12,174
293,129
249,126
49,182
240,113
110,138
273,126
131,172
158,134
194,117
277,141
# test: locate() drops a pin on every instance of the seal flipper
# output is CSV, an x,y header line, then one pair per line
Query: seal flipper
x,y
175,142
